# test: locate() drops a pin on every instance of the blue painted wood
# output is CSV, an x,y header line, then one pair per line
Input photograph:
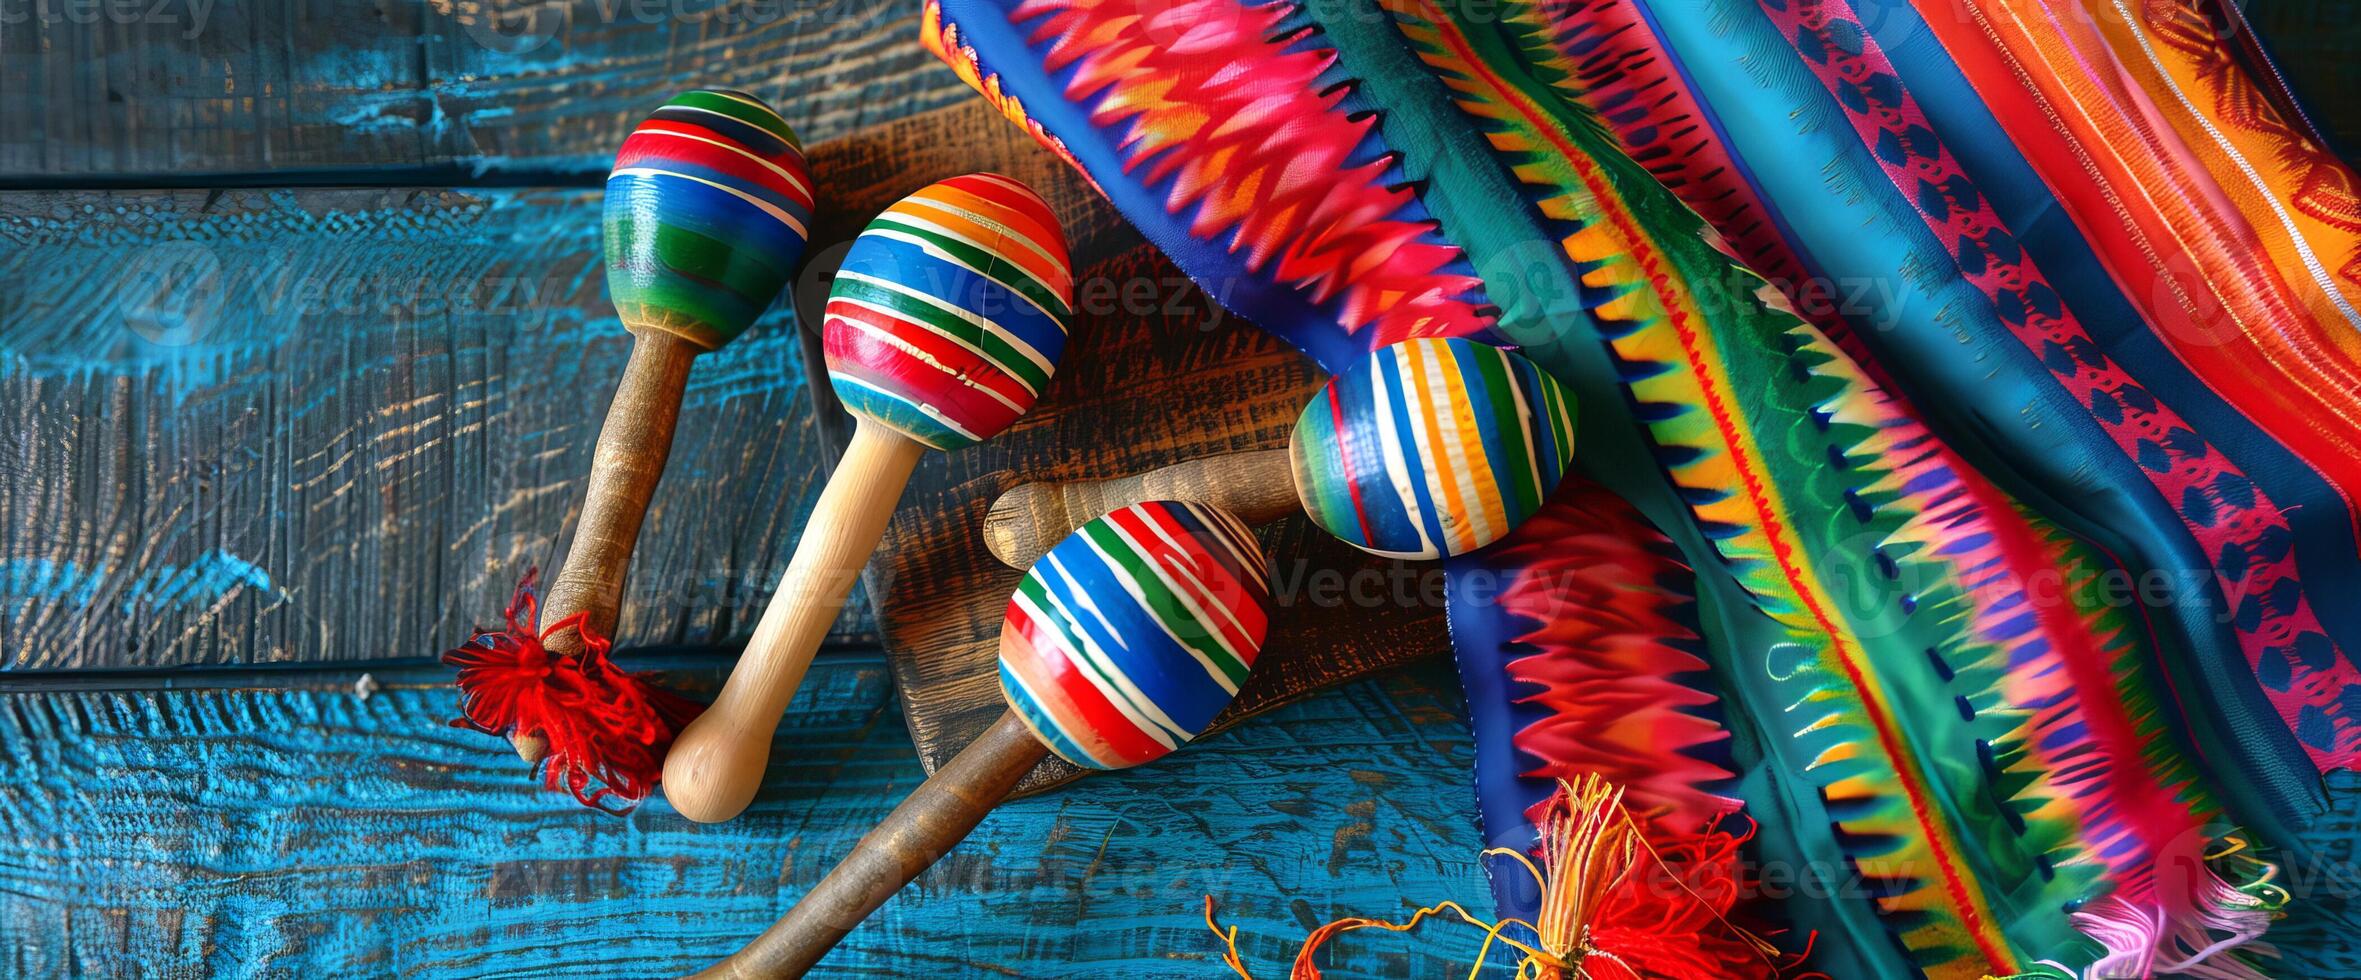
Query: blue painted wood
x,y
411,92
309,831
271,426
315,425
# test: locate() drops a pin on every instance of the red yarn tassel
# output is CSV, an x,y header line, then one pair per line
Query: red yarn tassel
x,y
1619,903
604,725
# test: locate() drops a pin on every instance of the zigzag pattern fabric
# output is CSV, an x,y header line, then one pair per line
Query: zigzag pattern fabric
x,y
1976,378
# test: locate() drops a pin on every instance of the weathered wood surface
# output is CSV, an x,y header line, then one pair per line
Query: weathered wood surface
x,y
277,92
1154,374
309,832
337,425
253,426
463,91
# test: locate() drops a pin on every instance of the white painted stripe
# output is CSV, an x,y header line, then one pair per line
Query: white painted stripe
x,y
2320,277
1525,430
767,207
723,115
1105,675
939,252
1461,464
1017,677
1009,233
923,409
1187,592
1397,466
783,172
1236,539
928,359
980,323
749,102
1564,419
1123,705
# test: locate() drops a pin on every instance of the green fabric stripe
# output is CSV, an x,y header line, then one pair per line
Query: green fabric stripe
x,y
996,349
985,263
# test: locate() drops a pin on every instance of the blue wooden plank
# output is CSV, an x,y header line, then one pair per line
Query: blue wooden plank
x,y
269,426
310,831
412,92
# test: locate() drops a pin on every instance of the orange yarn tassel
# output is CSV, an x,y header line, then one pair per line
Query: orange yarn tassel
x,y
1614,904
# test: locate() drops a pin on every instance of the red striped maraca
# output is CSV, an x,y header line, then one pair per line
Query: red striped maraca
x,y
706,216
942,327
1121,644
707,212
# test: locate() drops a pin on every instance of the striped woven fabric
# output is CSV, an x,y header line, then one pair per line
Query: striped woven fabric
x,y
722,178
949,313
1127,638
1992,367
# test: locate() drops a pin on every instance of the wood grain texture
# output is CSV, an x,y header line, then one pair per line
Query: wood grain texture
x,y
337,425
1155,374
426,91
1257,487
252,426
310,832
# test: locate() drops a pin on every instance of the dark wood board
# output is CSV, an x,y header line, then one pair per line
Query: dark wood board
x,y
411,92
307,831
1155,373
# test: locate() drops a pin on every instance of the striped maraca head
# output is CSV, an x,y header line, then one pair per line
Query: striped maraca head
x,y
950,311
708,208
1125,640
1432,447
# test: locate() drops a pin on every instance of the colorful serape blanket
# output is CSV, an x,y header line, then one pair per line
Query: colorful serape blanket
x,y
1970,411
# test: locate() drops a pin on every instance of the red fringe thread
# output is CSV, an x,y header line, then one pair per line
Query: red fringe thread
x,y
1620,903
604,725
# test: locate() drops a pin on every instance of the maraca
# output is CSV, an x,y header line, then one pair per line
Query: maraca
x,y
707,211
1121,644
942,327
1428,448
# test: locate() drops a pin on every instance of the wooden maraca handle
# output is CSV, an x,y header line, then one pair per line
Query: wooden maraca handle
x,y
715,766
935,818
629,460
1165,603
1029,519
